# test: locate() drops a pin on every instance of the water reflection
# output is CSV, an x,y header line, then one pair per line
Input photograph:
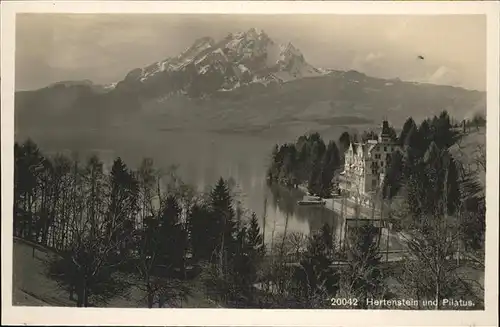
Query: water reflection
x,y
299,218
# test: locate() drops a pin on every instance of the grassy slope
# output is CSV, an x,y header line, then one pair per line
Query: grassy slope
x,y
31,287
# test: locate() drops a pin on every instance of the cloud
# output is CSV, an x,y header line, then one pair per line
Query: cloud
x,y
371,57
369,63
444,75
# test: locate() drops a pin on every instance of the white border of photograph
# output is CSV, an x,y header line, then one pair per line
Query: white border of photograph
x,y
250,317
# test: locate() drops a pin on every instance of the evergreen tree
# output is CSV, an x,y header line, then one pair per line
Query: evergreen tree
x,y
205,233
247,260
317,151
408,125
173,238
272,170
394,178
444,134
289,168
344,141
425,135
123,200
413,149
330,163
223,213
303,158
254,236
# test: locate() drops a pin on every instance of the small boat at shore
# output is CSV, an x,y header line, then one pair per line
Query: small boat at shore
x,y
311,200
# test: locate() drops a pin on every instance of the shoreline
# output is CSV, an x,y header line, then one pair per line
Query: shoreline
x,y
396,242
335,204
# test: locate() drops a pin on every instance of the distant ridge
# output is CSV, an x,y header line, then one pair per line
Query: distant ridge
x,y
248,77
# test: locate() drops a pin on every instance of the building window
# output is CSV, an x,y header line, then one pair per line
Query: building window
x,y
385,149
374,183
381,164
374,171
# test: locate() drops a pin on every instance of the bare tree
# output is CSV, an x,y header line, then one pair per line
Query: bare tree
x,y
147,178
146,260
362,276
297,243
90,262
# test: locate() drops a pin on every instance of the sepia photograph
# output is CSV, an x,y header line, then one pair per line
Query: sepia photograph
x,y
334,161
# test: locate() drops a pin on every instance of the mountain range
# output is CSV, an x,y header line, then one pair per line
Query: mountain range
x,y
245,81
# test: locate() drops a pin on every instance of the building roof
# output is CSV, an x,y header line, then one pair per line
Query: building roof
x,y
365,148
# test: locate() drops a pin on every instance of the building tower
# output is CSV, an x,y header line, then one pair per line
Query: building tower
x,y
385,134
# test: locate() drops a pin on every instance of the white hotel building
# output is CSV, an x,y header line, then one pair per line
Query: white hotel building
x,y
365,166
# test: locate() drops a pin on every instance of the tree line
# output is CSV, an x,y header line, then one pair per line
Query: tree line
x,y
312,162
308,161
119,228
440,209
477,121
122,228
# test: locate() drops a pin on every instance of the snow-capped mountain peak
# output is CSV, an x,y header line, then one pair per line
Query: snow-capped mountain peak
x,y
240,59
198,46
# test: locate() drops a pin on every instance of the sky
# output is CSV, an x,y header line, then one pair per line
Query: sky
x,y
103,48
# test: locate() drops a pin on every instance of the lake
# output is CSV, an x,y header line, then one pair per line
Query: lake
x,y
202,157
